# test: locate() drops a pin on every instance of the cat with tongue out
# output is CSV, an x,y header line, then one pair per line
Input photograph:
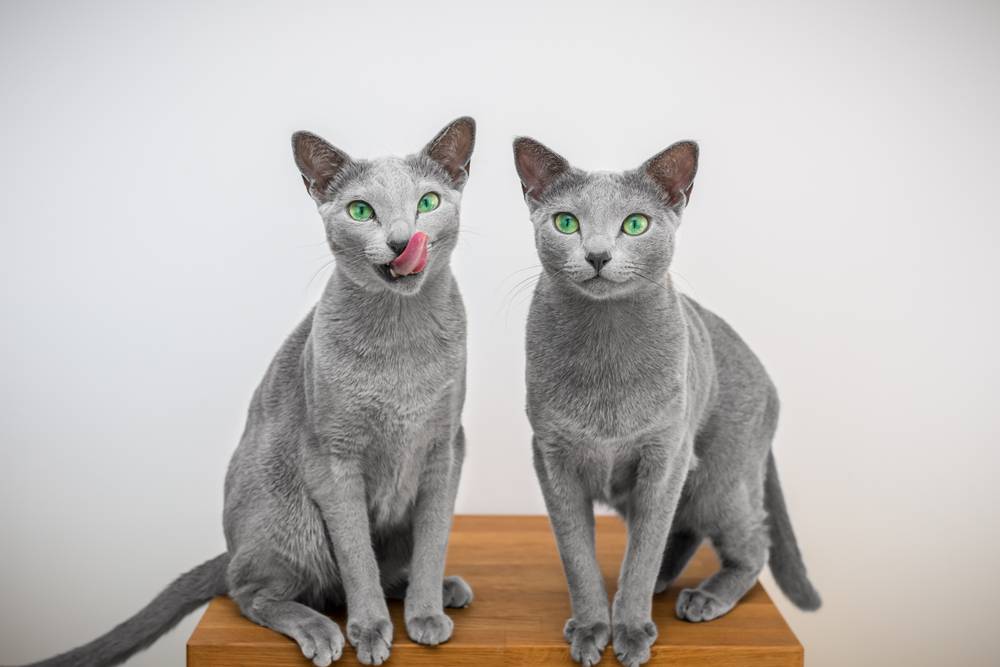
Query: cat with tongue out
x,y
342,488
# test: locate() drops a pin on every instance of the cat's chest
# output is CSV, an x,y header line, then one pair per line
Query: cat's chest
x,y
600,386
396,433
392,478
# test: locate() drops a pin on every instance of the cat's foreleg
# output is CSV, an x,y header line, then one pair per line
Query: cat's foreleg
x,y
571,513
339,490
652,503
426,622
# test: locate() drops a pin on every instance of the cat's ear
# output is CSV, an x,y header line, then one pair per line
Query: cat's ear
x,y
537,166
319,163
452,149
673,171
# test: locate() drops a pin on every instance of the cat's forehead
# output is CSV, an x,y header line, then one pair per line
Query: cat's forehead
x,y
388,173
599,191
395,174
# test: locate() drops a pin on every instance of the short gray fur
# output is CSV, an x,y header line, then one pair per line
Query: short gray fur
x,y
342,488
642,399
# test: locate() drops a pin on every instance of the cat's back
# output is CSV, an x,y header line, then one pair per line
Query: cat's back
x,y
277,407
282,383
269,448
737,367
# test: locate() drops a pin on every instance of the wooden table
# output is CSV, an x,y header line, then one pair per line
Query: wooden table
x,y
520,606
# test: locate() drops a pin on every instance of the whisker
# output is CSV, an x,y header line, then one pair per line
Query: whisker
x,y
688,286
517,288
513,273
518,298
325,266
650,280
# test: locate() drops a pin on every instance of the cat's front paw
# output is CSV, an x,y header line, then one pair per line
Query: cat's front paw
x,y
696,605
587,641
320,640
457,593
371,638
430,629
632,642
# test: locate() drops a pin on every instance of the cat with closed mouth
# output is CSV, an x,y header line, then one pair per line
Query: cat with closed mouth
x,y
644,400
342,488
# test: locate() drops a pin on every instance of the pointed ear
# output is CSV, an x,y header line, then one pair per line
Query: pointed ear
x,y
537,166
673,172
319,163
452,149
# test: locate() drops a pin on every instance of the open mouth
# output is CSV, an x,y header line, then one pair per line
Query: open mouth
x,y
389,274
410,262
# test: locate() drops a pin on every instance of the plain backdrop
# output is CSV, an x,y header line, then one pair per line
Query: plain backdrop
x,y
157,245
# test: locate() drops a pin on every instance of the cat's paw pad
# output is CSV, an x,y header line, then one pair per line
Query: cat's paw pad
x,y
696,606
587,641
632,642
320,640
372,640
457,593
430,629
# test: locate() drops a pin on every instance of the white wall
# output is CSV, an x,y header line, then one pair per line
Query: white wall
x,y
157,245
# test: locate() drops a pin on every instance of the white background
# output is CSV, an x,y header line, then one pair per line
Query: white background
x,y
157,245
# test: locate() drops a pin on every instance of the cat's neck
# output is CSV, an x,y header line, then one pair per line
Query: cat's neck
x,y
347,305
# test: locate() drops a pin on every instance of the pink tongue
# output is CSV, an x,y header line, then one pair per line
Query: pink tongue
x,y
413,259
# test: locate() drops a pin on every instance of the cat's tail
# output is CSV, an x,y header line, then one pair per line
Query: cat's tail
x,y
786,560
188,592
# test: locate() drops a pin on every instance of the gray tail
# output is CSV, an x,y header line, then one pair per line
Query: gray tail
x,y
188,592
786,560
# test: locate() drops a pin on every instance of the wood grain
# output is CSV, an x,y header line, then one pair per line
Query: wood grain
x,y
520,606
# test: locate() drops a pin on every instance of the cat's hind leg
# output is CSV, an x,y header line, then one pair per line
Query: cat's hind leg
x,y
456,593
681,545
742,548
269,600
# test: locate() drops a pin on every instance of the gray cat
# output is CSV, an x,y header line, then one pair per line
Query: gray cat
x,y
644,400
343,485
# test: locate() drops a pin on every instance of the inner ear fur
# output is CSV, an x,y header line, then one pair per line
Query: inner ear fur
x,y
673,170
452,149
318,162
537,166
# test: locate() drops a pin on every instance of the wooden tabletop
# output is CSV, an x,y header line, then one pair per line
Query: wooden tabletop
x,y
520,606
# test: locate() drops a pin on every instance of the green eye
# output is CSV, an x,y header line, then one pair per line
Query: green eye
x,y
428,202
360,210
635,224
566,223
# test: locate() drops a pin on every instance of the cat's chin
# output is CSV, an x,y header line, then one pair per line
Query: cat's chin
x,y
602,288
